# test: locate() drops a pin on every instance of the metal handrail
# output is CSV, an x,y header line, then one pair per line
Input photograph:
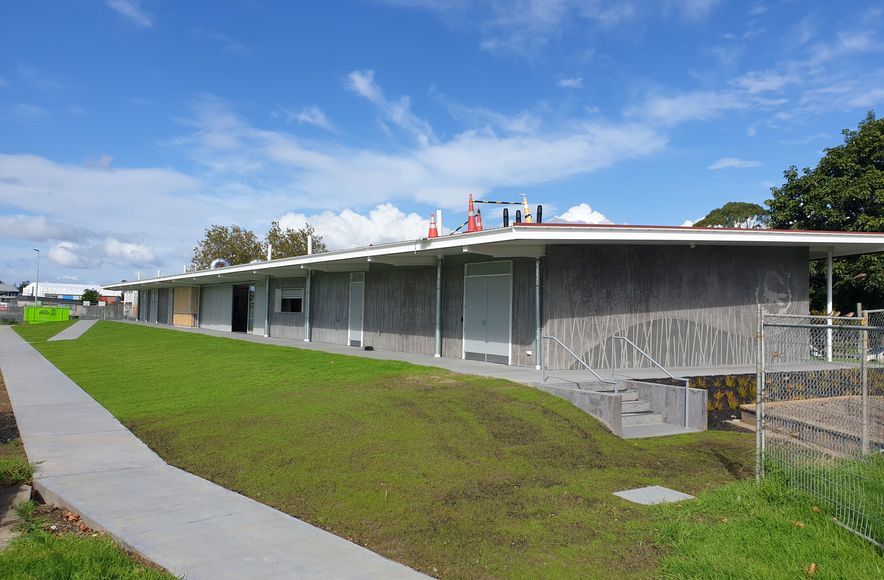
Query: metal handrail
x,y
653,361
577,358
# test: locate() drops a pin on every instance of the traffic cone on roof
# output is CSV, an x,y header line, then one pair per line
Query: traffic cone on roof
x,y
479,220
471,217
434,233
526,210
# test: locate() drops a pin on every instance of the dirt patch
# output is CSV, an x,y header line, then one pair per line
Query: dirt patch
x,y
8,426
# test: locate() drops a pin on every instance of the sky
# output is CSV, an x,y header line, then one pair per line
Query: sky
x,y
127,127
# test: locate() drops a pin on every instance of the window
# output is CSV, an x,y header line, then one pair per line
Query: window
x,y
290,300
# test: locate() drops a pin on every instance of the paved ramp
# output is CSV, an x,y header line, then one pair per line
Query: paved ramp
x,y
88,462
75,330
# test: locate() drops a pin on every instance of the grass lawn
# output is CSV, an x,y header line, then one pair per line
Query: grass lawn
x,y
42,331
746,531
40,554
453,475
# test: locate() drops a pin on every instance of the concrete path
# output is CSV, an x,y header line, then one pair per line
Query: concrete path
x,y
10,498
88,462
525,375
75,330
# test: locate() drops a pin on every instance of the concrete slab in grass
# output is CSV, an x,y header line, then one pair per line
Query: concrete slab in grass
x,y
652,494
75,330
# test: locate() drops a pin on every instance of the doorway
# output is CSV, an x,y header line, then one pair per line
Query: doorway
x,y
239,321
487,312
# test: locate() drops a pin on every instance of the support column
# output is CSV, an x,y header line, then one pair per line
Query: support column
x,y
829,305
438,351
267,304
538,321
199,305
864,379
308,327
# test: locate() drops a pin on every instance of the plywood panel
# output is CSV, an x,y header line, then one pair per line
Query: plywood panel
x,y
285,324
400,310
330,298
452,310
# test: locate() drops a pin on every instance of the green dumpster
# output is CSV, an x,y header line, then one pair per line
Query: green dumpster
x,y
38,314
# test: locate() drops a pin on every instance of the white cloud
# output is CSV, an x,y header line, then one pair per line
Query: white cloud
x,y
70,255
398,112
764,81
582,213
733,163
312,115
692,9
690,223
128,252
131,9
571,83
385,223
38,228
23,113
867,98
3,82
751,131
699,105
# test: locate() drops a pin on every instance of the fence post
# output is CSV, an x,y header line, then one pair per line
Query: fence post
x,y
864,376
759,396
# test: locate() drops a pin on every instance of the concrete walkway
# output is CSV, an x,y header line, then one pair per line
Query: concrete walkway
x,y
525,375
86,461
75,330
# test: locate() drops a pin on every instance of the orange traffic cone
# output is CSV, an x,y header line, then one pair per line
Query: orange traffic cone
x,y
434,233
471,217
526,210
478,220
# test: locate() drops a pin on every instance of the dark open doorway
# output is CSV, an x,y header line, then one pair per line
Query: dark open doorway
x,y
240,318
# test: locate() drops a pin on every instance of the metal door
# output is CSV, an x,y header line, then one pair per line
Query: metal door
x,y
357,303
487,312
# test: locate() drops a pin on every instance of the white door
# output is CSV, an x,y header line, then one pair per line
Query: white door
x,y
357,303
487,312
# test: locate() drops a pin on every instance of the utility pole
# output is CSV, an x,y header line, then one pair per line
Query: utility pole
x,y
37,281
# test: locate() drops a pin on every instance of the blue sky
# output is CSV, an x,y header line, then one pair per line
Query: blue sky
x,y
127,127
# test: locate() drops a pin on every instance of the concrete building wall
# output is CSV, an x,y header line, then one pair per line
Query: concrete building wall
x,y
685,306
524,315
329,303
285,324
452,310
163,305
260,307
400,310
216,307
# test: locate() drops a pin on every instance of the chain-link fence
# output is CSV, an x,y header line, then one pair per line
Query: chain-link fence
x,y
820,415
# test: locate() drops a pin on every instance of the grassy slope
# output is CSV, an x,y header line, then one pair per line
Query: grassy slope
x,y
451,474
37,553
767,532
42,331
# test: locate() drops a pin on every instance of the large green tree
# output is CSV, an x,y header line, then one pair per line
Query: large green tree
x,y
238,245
845,191
232,243
91,295
735,214
288,242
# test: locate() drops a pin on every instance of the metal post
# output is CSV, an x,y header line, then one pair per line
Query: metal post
x,y
614,364
37,281
438,344
267,305
308,323
759,397
864,378
829,305
538,321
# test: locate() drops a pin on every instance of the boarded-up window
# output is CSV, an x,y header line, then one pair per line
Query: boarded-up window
x,y
289,300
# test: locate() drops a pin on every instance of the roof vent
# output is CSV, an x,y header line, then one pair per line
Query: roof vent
x,y
219,263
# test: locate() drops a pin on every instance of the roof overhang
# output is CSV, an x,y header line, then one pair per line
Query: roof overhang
x,y
525,241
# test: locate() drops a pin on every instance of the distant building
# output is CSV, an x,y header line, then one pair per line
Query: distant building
x,y
64,292
8,292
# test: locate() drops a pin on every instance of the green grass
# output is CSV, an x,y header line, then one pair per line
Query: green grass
x,y
451,474
42,331
14,466
766,532
39,554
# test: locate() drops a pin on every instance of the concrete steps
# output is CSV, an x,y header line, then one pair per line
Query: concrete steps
x,y
645,418
636,406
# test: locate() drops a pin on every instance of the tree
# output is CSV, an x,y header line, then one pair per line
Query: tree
x,y
845,191
288,242
91,295
232,243
735,214
22,284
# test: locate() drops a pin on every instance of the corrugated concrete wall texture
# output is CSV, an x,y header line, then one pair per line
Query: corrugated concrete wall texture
x,y
400,310
330,301
216,307
284,324
260,299
685,306
524,317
